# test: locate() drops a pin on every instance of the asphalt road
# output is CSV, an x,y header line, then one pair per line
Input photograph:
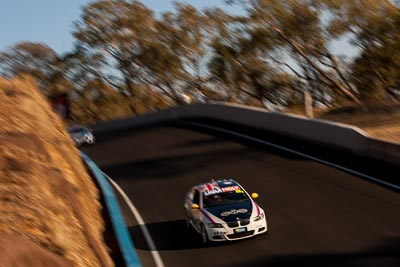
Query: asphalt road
x,y
317,215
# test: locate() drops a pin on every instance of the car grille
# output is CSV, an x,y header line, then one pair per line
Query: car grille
x,y
233,224
244,222
239,235
236,223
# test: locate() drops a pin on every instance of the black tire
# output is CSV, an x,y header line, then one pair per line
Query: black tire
x,y
204,236
187,223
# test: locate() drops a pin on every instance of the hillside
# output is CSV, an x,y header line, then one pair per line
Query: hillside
x,y
379,120
50,213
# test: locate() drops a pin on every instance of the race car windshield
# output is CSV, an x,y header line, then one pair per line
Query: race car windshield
x,y
76,130
225,198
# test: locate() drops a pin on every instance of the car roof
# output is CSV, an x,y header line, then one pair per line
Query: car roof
x,y
216,183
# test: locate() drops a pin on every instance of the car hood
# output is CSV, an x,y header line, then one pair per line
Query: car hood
x,y
232,212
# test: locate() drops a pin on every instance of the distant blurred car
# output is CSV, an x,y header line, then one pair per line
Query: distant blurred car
x,y
222,210
81,135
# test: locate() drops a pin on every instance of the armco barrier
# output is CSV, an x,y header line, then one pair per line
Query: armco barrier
x,y
124,240
326,133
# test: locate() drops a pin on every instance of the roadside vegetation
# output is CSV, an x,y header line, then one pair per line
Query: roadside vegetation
x,y
281,55
50,207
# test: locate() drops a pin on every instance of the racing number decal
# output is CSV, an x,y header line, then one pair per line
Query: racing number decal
x,y
233,212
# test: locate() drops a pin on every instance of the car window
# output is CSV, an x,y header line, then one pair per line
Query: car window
x,y
224,198
75,129
190,194
78,129
196,197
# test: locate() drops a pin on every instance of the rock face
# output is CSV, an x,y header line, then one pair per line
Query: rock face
x,y
46,196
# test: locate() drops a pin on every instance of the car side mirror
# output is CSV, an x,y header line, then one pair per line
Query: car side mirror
x,y
254,195
195,206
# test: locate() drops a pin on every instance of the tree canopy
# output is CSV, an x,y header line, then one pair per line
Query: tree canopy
x,y
128,60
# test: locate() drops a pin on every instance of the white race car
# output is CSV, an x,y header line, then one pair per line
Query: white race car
x,y
81,135
222,210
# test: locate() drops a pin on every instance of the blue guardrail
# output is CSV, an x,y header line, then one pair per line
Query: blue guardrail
x,y
124,239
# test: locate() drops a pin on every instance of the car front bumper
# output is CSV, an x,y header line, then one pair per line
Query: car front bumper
x,y
237,233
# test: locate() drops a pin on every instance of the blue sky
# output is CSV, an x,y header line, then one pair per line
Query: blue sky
x,y
51,21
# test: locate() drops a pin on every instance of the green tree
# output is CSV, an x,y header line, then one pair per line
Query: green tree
x,y
174,62
36,60
373,26
83,66
240,62
193,35
97,102
233,67
121,30
163,69
294,31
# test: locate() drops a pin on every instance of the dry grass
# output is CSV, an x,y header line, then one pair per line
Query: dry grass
x,y
379,120
46,195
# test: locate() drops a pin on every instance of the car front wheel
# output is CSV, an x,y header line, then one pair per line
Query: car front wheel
x,y
204,236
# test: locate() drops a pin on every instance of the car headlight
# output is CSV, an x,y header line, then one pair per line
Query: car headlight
x,y
215,225
259,217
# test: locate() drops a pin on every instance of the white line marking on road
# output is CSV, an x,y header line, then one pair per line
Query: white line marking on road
x,y
297,153
139,219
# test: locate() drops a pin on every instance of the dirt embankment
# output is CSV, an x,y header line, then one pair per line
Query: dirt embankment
x,y
380,120
50,213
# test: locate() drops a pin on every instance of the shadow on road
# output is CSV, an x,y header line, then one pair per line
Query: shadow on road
x,y
173,235
173,165
385,254
170,235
